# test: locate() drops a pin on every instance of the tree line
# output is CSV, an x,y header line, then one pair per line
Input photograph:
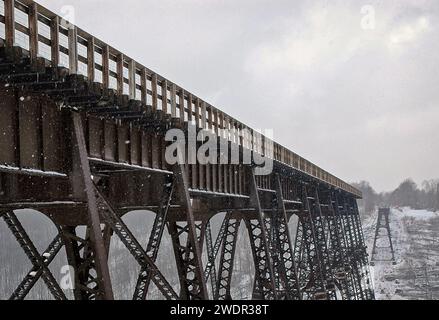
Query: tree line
x,y
407,194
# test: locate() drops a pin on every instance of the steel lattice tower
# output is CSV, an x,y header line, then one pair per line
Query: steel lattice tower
x,y
383,223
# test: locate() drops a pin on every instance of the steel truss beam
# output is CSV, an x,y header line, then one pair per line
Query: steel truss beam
x,y
301,248
322,241
357,250
350,249
308,261
37,271
211,256
311,252
283,248
337,249
155,239
38,261
367,280
134,247
229,239
186,264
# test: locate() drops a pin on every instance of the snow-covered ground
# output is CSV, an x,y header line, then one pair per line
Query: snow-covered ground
x,y
416,244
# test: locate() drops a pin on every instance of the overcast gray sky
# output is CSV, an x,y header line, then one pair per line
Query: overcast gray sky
x,y
363,103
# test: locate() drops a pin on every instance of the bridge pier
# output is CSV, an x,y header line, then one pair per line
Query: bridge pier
x,y
338,248
155,238
229,237
187,241
95,248
258,231
308,252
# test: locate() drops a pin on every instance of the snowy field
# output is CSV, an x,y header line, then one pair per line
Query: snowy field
x,y
415,240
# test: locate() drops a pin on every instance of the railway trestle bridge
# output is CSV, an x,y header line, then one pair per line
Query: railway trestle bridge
x,y
82,140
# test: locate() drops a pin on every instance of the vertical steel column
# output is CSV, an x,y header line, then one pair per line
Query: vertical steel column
x,y
97,242
228,249
216,248
80,255
260,243
312,267
370,295
188,257
354,263
343,270
211,258
300,257
322,246
284,245
359,249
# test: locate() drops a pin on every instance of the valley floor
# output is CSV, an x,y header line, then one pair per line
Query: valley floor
x,y
415,240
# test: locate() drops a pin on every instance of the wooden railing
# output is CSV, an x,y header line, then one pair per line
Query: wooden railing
x,y
45,34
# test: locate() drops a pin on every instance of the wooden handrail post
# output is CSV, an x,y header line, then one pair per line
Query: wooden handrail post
x,y
73,50
120,81
10,22
54,36
33,30
106,66
154,92
165,96
132,79
181,103
173,101
91,59
143,85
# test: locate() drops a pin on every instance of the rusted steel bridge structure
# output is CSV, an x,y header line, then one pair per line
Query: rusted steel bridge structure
x,y
383,222
82,140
